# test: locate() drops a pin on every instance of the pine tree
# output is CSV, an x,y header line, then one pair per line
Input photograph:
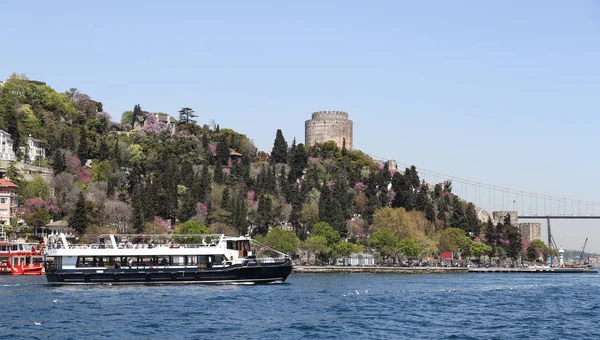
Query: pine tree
x,y
80,219
279,152
137,115
186,115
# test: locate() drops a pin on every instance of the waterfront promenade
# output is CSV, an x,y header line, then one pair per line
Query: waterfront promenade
x,y
379,269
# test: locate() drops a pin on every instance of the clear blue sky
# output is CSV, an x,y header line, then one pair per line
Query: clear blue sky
x,y
504,93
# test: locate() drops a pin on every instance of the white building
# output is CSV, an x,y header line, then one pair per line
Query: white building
x,y
6,146
36,151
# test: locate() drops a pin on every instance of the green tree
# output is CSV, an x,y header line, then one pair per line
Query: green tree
x,y
316,245
342,249
279,152
409,248
80,218
192,228
478,249
326,230
127,118
515,244
454,240
37,218
285,241
536,250
386,243
36,188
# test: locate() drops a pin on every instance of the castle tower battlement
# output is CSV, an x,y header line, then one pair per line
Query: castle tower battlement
x,y
329,125
329,114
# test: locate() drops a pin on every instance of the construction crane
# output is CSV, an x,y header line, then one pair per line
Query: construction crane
x,y
582,250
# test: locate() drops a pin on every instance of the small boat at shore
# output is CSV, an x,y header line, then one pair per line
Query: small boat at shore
x,y
144,259
20,258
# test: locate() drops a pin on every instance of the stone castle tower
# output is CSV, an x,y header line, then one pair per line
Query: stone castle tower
x,y
328,125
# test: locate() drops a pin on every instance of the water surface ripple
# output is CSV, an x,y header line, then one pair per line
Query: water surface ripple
x,y
323,306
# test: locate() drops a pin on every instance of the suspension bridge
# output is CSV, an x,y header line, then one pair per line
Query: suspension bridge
x,y
528,205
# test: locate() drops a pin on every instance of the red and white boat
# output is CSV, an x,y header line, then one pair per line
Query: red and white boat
x,y
19,258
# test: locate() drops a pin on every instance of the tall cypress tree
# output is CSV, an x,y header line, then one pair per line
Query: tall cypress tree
x,y
137,115
471,219
80,219
218,175
279,152
83,150
103,150
205,182
222,151
298,161
137,217
265,215
188,207
60,163
324,202
225,199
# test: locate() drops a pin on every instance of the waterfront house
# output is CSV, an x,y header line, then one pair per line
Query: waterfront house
x,y
357,259
36,152
8,200
6,146
58,227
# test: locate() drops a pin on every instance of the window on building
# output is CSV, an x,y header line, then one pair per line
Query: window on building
x,y
3,200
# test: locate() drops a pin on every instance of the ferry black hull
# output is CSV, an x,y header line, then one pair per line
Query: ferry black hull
x,y
264,273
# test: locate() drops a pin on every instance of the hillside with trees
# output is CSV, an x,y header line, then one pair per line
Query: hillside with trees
x,y
155,175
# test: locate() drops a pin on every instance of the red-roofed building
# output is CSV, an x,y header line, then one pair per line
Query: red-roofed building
x,y
8,200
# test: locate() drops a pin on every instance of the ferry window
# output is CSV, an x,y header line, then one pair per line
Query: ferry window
x,y
192,260
3,248
178,260
37,260
15,247
3,259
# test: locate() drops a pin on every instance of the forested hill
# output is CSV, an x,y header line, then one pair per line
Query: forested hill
x,y
152,173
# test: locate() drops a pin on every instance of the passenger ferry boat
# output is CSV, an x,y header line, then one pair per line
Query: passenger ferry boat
x,y
129,259
19,258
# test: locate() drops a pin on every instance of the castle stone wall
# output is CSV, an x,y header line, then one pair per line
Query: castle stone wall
x,y
329,125
530,231
498,217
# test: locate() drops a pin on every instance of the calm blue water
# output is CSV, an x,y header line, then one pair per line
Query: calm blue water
x,y
457,306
